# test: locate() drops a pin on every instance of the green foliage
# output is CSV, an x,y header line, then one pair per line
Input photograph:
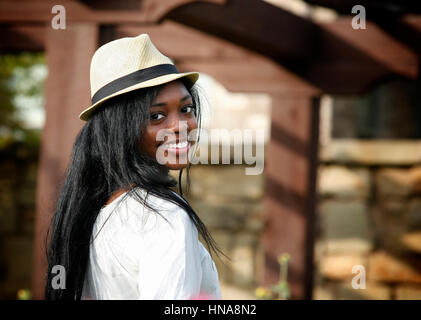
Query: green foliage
x,y
280,290
24,294
20,77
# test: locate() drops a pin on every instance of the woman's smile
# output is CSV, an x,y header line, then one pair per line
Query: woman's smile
x,y
178,148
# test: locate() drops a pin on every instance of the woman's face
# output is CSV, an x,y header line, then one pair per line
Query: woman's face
x,y
172,118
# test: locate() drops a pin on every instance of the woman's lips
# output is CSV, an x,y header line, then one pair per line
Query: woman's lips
x,y
179,148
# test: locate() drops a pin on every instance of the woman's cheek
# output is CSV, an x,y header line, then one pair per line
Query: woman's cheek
x,y
148,144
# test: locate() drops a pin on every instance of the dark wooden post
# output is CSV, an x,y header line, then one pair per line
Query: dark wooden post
x,y
289,199
69,53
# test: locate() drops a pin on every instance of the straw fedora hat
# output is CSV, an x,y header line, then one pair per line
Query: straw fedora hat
x,y
127,64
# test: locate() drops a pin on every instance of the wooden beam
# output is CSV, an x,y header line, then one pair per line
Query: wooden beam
x,y
374,43
180,42
414,21
333,56
221,59
156,9
406,29
287,192
148,11
253,24
349,60
22,37
69,54
290,192
392,8
253,76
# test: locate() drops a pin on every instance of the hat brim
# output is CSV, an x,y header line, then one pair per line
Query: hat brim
x,y
192,76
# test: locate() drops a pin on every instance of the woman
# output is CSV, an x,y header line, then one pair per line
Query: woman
x,y
119,229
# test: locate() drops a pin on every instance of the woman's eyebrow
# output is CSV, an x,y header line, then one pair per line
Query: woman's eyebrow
x,y
163,103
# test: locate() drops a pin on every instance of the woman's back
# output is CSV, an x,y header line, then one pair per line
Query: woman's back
x,y
136,253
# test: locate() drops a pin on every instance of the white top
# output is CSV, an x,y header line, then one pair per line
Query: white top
x,y
136,254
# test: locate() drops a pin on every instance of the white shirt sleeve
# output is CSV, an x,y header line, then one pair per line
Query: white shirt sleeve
x,y
169,255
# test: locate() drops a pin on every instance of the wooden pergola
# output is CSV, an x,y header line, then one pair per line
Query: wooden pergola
x,y
248,46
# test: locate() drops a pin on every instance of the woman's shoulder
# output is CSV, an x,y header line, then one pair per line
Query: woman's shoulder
x,y
138,211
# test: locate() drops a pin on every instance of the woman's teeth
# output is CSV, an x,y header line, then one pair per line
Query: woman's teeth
x,y
179,145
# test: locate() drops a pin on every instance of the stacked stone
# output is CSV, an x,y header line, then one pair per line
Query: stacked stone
x,y
369,216
230,204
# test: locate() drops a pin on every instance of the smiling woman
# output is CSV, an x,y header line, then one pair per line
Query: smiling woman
x,y
119,229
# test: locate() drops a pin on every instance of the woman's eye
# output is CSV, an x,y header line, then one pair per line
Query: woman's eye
x,y
189,109
156,116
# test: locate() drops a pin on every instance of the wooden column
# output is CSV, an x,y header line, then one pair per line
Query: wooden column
x,y
69,53
289,200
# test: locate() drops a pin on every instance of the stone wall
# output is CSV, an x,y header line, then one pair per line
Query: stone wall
x,y
230,204
17,209
368,215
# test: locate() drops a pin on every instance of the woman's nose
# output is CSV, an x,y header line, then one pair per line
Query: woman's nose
x,y
177,125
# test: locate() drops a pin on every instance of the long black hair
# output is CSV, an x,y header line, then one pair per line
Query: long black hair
x,y
106,158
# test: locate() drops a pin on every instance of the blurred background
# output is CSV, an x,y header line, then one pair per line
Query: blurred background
x,y
339,104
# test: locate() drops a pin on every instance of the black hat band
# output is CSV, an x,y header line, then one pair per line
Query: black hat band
x,y
133,78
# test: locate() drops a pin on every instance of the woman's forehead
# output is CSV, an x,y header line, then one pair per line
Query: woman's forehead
x,y
174,91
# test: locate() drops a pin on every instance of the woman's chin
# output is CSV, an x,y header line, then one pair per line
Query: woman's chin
x,y
176,166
